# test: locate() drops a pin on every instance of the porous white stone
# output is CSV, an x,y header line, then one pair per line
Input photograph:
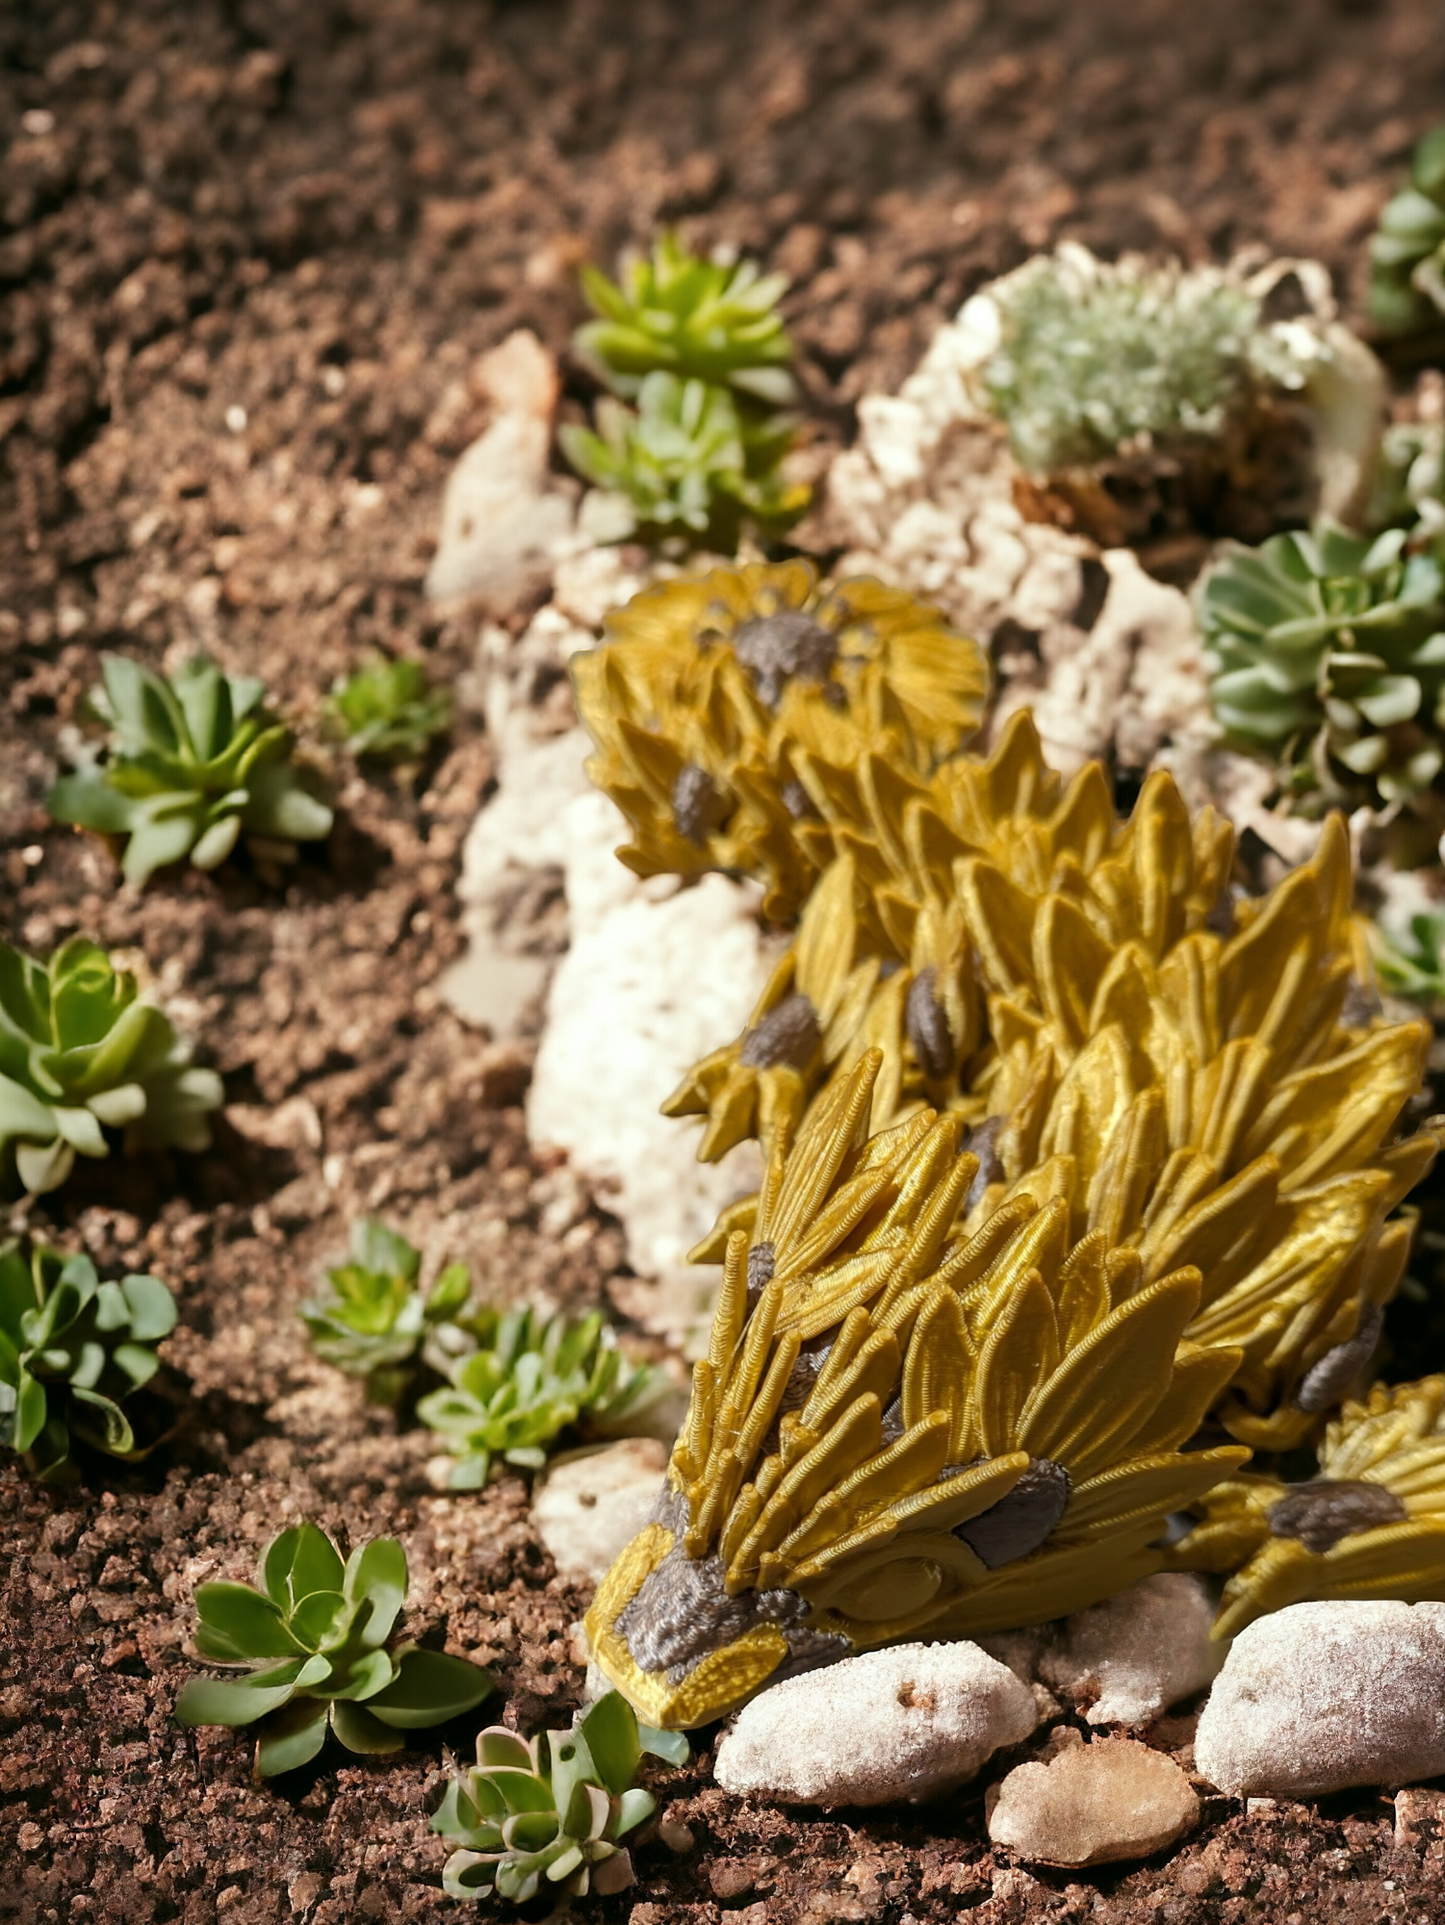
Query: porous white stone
x,y
1139,1651
1092,1804
909,1722
646,988
592,1503
1321,1696
503,523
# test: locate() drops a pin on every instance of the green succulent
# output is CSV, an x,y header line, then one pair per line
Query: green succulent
x,y
1407,252
521,1816
686,458
195,761
315,1639
1328,648
389,709
681,315
529,1378
1092,356
374,1319
1418,970
80,1053
72,1349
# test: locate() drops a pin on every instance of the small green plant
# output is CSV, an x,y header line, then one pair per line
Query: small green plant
x,y
374,1320
389,709
1407,253
72,1350
528,1379
1093,356
1419,969
521,1816
81,1053
673,312
1328,648
195,762
685,459
315,1639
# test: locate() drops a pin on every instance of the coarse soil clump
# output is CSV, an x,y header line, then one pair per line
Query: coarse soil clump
x,y
249,255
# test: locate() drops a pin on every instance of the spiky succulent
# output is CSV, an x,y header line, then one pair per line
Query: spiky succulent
x,y
317,1641
81,1053
72,1350
1327,649
195,761
1407,252
712,321
374,1319
529,1378
389,709
685,460
1369,1524
523,1815
727,710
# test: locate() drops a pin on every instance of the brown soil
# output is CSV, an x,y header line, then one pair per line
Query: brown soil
x,y
250,255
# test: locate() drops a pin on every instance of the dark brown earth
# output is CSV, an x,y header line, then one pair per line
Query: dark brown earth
x,y
321,215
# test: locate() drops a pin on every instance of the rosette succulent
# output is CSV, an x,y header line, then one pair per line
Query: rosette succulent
x,y
712,321
527,1379
1407,253
524,1815
1327,649
317,1643
685,460
1414,966
72,1350
195,762
81,1053
373,1320
389,709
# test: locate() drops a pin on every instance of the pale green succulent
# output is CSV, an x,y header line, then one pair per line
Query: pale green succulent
x,y
1092,356
1328,649
389,709
1416,970
684,459
521,1816
72,1350
675,313
373,1320
317,1643
195,762
81,1053
528,1378
1407,253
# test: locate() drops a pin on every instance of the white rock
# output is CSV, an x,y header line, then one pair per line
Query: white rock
x,y
594,1502
646,988
503,526
1092,1804
1321,1696
1140,1651
908,1722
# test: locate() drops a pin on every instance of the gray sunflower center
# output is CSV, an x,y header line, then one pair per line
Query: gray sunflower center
x,y
775,648
926,1021
1319,1514
1020,1522
698,804
786,1036
1336,1374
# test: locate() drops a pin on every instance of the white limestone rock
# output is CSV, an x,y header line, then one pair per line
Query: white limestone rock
x,y
1138,1652
909,1722
592,1503
504,522
1092,1805
1322,1696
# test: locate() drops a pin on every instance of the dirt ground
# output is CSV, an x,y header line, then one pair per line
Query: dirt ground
x,y
250,252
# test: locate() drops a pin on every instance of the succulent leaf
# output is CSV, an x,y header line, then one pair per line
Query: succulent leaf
x,y
1407,252
72,1350
389,709
1328,649
374,1321
367,1692
525,1812
194,762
